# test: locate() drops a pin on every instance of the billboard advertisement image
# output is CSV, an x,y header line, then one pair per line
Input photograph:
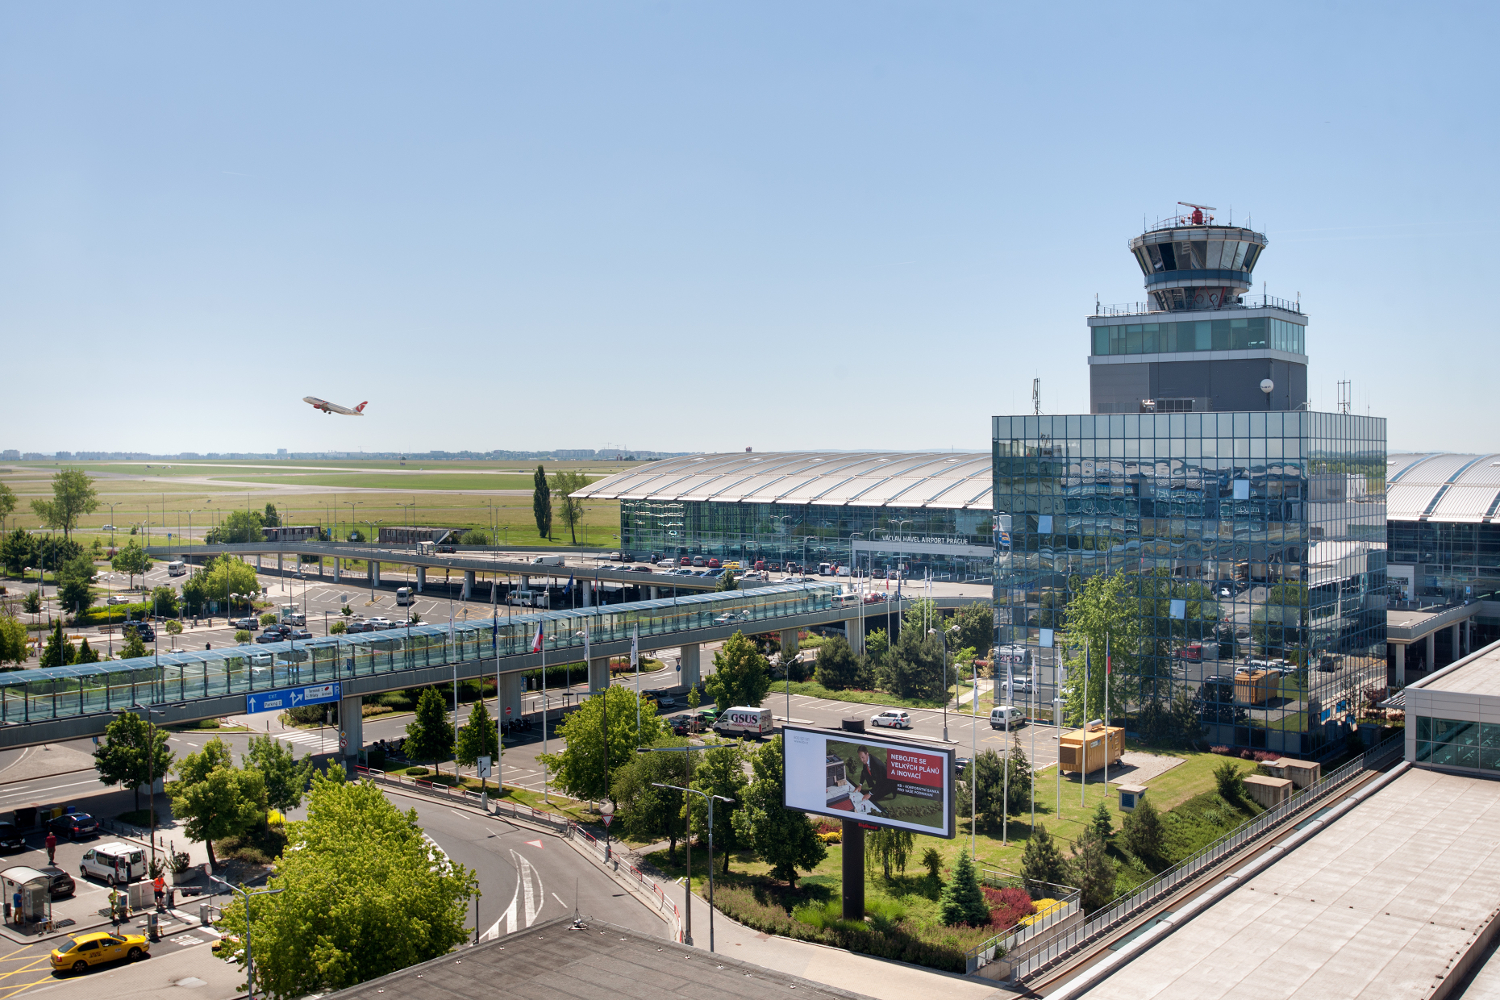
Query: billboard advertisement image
x,y
875,779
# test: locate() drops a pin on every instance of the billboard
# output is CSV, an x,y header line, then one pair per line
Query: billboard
x,y
901,784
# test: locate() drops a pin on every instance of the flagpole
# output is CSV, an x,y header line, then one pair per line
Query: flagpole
x,y
1057,682
1108,669
499,706
1083,745
635,661
541,634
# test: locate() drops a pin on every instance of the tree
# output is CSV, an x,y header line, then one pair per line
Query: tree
x,y
72,496
784,838
7,503
363,895
16,552
133,647
86,653
131,559
569,508
579,769
1101,607
217,799
242,636
240,526
650,813
59,649
429,736
1144,834
986,774
1230,783
1042,863
270,518
976,627
132,754
915,666
962,901
837,667
222,577
477,738
284,777
32,602
727,581
1101,822
1021,777
1091,871
720,771
693,698
741,675
541,503
889,848
13,636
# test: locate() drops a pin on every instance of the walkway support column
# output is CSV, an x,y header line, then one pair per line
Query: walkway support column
x,y
1457,649
1400,664
510,696
338,569
656,593
351,731
692,655
854,850
598,674
587,586
1431,652
854,631
468,583
374,573
278,564
421,578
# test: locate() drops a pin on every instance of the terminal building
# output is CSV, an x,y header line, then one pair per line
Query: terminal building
x,y
1255,529
920,512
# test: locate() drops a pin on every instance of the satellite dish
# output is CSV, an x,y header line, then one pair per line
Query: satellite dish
x,y
1266,385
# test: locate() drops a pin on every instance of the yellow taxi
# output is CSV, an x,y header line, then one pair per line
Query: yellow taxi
x,y
84,950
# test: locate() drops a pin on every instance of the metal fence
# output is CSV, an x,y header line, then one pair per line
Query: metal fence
x,y
1068,903
1026,963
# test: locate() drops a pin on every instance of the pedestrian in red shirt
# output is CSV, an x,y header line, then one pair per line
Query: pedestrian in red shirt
x,y
51,848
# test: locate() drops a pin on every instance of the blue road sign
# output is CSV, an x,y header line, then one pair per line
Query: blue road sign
x,y
270,701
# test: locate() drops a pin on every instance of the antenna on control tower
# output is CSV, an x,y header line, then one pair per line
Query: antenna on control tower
x,y
1036,396
1345,390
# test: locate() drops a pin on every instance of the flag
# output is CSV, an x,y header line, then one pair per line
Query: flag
x,y
568,587
635,639
536,642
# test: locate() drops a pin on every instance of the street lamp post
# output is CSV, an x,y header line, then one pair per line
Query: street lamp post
x,y
151,767
710,800
249,955
687,843
944,635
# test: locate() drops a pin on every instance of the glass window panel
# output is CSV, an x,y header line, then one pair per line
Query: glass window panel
x,y
1101,340
1220,335
1456,731
1203,336
1133,340
1444,754
1424,751
1239,334
1257,333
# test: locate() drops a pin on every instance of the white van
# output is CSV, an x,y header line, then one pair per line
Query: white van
x,y
744,721
403,596
547,561
177,568
114,863
1002,714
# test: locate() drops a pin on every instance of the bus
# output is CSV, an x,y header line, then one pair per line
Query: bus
x,y
177,568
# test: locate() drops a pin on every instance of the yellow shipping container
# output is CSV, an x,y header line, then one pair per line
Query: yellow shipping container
x,y
1072,751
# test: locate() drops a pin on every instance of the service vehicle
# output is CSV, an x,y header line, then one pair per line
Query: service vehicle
x,y
404,596
177,568
79,952
114,863
892,718
547,561
290,614
1002,715
744,721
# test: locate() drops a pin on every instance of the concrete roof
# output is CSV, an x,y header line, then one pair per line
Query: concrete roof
x,y
598,962
938,479
1477,674
1376,906
1441,487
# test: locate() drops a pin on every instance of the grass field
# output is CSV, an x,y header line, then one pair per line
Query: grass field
x,y
393,480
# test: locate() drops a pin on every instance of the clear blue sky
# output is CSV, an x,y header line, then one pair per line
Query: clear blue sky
x,y
702,226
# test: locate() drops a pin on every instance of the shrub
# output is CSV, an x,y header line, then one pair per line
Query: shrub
x,y
416,772
1221,750
268,619
1230,783
933,862
338,628
1266,756
832,837
1040,909
1007,906
242,636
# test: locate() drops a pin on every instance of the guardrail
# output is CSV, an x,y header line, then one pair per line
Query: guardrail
x,y
1068,901
1027,964
561,824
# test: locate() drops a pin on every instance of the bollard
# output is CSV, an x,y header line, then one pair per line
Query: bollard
x,y
203,914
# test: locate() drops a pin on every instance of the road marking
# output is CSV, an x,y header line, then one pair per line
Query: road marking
x,y
457,813
535,843
185,940
559,900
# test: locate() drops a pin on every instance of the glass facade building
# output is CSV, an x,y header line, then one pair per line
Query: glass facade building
x,y
1256,541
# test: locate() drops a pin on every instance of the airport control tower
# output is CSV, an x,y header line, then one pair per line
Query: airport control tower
x,y
1201,341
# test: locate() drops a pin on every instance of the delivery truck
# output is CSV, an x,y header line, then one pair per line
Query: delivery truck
x,y
744,721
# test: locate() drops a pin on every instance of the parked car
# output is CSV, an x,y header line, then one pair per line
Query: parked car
x,y
379,623
666,700
892,718
142,629
680,724
359,626
117,599
698,561
685,561
1003,714
266,638
250,624
11,838
61,884
278,629
713,562
614,557
73,825
83,951
299,633
627,557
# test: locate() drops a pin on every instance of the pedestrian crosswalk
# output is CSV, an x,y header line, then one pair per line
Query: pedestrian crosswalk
x,y
324,740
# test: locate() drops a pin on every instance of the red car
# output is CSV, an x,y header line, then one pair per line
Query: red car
x,y
685,561
713,562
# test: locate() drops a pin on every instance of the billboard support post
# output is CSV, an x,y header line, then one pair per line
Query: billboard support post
x,y
853,841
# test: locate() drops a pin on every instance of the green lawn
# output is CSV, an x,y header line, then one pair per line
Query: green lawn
x,y
389,481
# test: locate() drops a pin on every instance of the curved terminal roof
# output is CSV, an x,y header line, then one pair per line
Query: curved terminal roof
x,y
1442,487
940,479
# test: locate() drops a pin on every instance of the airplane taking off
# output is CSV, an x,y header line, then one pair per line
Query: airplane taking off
x,y
327,407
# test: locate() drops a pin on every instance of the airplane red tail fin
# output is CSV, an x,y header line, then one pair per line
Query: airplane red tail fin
x,y
361,407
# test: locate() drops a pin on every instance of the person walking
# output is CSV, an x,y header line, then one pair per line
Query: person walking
x,y
51,848
159,884
114,907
